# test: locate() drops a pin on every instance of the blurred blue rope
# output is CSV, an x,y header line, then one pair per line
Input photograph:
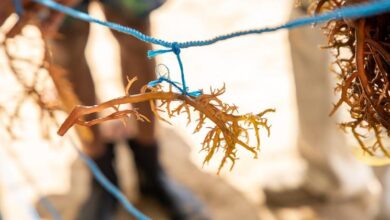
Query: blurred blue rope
x,y
50,208
34,213
18,7
111,188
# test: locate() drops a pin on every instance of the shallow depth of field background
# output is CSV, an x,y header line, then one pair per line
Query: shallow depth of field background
x,y
256,71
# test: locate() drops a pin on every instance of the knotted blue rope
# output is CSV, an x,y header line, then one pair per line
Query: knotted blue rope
x,y
349,12
353,11
174,84
176,50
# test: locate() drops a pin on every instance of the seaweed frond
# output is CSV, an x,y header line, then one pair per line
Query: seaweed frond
x,y
230,130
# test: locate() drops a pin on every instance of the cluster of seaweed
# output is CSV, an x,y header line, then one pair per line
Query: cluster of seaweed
x,y
362,51
230,130
30,90
41,83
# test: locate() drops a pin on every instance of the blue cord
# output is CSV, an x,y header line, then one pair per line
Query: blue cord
x,y
174,84
354,11
18,7
176,50
361,10
111,188
85,17
34,213
50,208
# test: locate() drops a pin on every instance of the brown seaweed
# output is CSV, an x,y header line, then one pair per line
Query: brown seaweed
x,y
363,73
230,130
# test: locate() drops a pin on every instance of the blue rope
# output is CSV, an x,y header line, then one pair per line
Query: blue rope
x,y
354,11
176,50
50,208
361,10
33,213
18,7
111,188
85,17
174,84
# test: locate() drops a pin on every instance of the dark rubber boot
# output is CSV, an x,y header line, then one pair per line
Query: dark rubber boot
x,y
101,205
153,182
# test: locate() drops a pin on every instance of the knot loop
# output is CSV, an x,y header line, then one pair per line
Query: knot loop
x,y
177,85
175,48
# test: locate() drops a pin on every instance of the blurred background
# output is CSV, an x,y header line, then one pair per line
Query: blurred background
x,y
258,74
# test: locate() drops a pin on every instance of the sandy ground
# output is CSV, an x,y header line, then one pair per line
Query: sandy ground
x,y
257,74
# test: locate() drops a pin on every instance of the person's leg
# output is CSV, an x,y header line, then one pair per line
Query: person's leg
x,y
318,137
134,62
153,180
69,54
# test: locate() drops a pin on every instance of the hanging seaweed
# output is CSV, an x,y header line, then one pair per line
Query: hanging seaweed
x,y
362,58
230,130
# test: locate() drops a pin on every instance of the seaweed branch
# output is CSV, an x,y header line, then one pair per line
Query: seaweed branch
x,y
230,130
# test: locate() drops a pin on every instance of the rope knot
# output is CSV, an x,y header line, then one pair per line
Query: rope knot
x,y
175,48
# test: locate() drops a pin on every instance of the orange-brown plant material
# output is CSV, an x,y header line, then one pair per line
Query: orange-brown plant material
x,y
32,90
362,52
229,132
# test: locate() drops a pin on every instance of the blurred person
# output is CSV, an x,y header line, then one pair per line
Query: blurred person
x,y
332,173
68,52
153,180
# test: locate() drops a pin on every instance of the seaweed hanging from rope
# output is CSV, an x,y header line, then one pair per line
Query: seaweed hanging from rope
x,y
362,59
364,79
230,130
